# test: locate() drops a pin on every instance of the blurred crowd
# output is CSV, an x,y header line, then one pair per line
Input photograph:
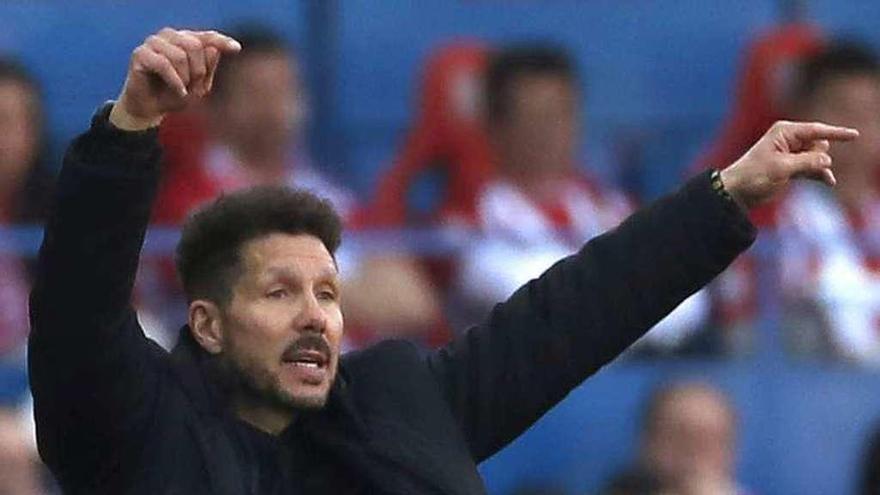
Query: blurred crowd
x,y
496,137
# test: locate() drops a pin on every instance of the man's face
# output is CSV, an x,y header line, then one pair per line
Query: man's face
x,y
262,105
19,130
692,437
852,101
540,130
283,326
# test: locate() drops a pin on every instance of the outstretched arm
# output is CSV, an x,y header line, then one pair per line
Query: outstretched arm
x,y
559,329
94,376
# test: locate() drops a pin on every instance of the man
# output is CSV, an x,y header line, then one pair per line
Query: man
x,y
256,398
688,444
541,205
830,252
24,194
689,439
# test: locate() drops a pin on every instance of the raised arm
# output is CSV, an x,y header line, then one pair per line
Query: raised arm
x,y
559,329
94,376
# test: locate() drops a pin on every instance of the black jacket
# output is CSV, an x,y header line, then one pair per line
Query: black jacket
x,y
116,414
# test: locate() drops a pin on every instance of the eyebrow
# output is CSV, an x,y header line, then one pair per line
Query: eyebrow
x,y
328,272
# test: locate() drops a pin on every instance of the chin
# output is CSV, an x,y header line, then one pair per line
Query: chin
x,y
310,400
305,387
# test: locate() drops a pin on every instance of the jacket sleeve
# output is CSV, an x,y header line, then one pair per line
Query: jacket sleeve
x,y
560,328
93,373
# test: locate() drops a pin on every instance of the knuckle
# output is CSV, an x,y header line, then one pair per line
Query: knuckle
x,y
167,30
178,57
166,64
190,42
817,161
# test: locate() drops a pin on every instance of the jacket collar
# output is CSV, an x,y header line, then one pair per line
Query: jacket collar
x,y
190,362
337,428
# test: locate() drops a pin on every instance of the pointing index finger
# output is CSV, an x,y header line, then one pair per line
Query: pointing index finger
x,y
812,131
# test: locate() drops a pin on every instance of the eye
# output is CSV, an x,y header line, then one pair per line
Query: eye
x,y
279,293
327,295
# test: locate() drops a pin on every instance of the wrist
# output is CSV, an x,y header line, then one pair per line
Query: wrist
x,y
724,183
123,120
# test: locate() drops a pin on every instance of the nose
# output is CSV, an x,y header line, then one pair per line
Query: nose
x,y
312,316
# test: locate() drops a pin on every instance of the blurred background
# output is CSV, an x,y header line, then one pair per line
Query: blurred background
x,y
468,144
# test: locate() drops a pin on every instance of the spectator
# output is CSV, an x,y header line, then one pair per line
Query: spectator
x,y
688,444
254,117
831,237
254,121
23,191
540,206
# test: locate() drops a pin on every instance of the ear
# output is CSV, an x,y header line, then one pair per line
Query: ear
x,y
206,325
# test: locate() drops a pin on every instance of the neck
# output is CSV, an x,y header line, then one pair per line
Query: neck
x,y
540,186
261,160
269,419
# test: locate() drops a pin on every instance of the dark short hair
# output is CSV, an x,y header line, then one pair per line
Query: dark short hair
x,y
509,64
846,58
208,255
256,40
13,70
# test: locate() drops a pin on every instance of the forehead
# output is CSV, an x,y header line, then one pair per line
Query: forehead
x,y
302,253
696,406
539,90
264,67
14,95
862,87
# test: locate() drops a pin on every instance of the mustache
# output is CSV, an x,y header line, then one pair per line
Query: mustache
x,y
308,342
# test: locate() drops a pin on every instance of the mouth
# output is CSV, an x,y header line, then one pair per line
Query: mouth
x,y
307,359
309,366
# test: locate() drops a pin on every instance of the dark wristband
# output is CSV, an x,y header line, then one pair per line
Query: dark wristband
x,y
718,186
